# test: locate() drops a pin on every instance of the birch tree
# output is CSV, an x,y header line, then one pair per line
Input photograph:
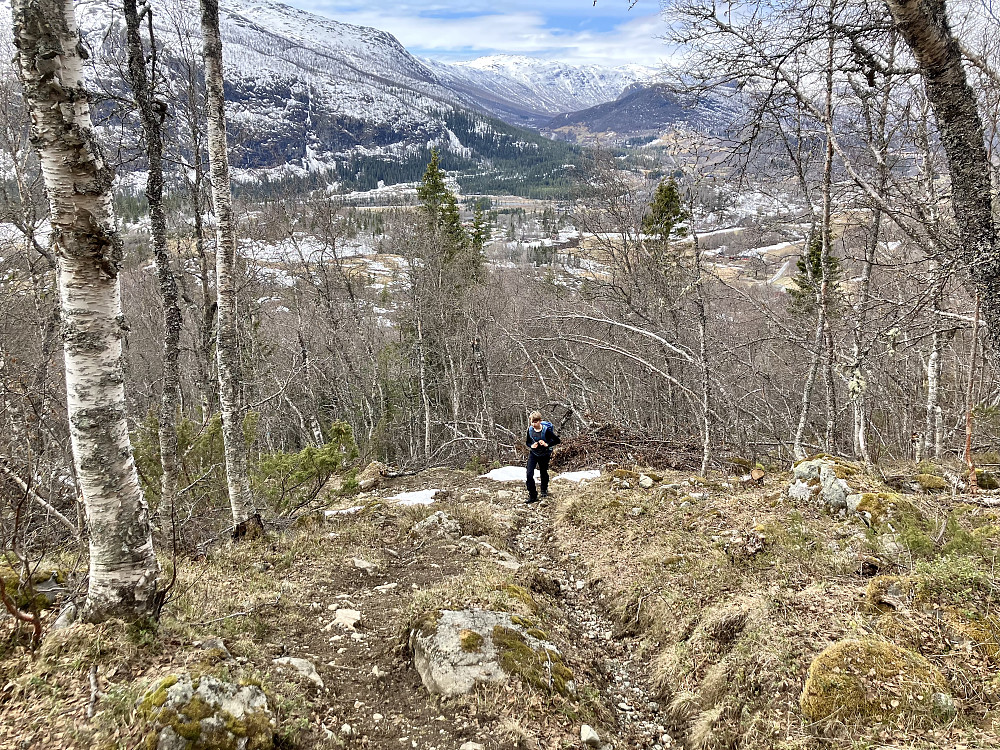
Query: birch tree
x,y
245,516
123,569
151,114
924,26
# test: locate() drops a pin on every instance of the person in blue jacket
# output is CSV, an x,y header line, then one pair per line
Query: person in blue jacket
x,y
541,438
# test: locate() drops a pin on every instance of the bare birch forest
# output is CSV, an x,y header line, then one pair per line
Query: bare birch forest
x,y
285,361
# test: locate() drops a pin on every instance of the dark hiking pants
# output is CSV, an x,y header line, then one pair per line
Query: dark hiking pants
x,y
542,462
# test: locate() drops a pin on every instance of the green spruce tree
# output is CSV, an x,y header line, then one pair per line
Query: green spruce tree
x,y
480,232
809,277
666,211
432,192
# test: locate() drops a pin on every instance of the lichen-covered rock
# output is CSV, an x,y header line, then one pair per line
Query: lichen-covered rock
x,y
823,481
874,681
438,525
453,650
205,713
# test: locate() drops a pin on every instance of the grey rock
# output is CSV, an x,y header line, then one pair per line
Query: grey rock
x,y
438,525
217,644
448,668
67,616
646,482
816,481
303,666
589,737
472,746
505,495
244,703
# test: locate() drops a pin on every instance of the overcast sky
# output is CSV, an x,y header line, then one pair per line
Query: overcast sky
x,y
569,30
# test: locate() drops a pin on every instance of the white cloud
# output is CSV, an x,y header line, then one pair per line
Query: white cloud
x,y
434,30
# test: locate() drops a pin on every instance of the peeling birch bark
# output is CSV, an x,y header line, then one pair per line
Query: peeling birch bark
x,y
123,569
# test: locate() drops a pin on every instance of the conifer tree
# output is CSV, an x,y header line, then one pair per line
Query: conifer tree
x,y
480,232
809,277
432,191
666,211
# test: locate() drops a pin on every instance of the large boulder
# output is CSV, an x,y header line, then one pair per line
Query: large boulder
x,y
194,713
875,681
371,477
823,481
453,650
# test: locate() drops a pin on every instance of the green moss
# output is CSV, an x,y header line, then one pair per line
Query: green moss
x,y
872,681
427,622
536,633
157,696
471,640
626,474
189,730
931,482
524,622
987,480
197,709
880,505
522,595
541,668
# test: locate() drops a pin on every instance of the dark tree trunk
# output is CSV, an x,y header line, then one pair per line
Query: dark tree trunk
x,y
151,115
923,24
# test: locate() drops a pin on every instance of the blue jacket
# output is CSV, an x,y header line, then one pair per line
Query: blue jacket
x,y
548,434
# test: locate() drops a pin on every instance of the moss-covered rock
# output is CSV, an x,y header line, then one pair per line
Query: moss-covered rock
x,y
473,646
931,482
34,594
539,666
987,480
823,480
186,712
471,640
874,681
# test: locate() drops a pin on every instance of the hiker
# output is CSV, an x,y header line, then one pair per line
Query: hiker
x,y
540,439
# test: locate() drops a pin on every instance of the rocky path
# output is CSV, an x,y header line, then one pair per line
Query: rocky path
x,y
641,723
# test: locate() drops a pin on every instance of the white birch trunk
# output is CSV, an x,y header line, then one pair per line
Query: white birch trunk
x,y
932,417
246,519
123,569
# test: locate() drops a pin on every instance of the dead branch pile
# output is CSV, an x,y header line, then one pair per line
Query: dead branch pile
x,y
611,443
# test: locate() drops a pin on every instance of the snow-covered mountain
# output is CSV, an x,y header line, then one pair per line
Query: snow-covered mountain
x,y
309,95
529,91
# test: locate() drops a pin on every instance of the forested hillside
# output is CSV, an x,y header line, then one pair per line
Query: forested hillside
x,y
277,307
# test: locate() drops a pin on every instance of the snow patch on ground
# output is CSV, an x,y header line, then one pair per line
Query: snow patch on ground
x,y
579,476
505,474
417,497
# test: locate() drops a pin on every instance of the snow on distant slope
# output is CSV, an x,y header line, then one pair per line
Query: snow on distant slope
x,y
533,89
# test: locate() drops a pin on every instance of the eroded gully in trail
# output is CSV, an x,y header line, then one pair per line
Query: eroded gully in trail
x,y
626,685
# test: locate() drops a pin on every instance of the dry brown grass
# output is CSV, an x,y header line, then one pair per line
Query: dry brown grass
x,y
735,628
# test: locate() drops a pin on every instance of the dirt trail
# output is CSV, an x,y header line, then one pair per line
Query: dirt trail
x,y
626,686
378,694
